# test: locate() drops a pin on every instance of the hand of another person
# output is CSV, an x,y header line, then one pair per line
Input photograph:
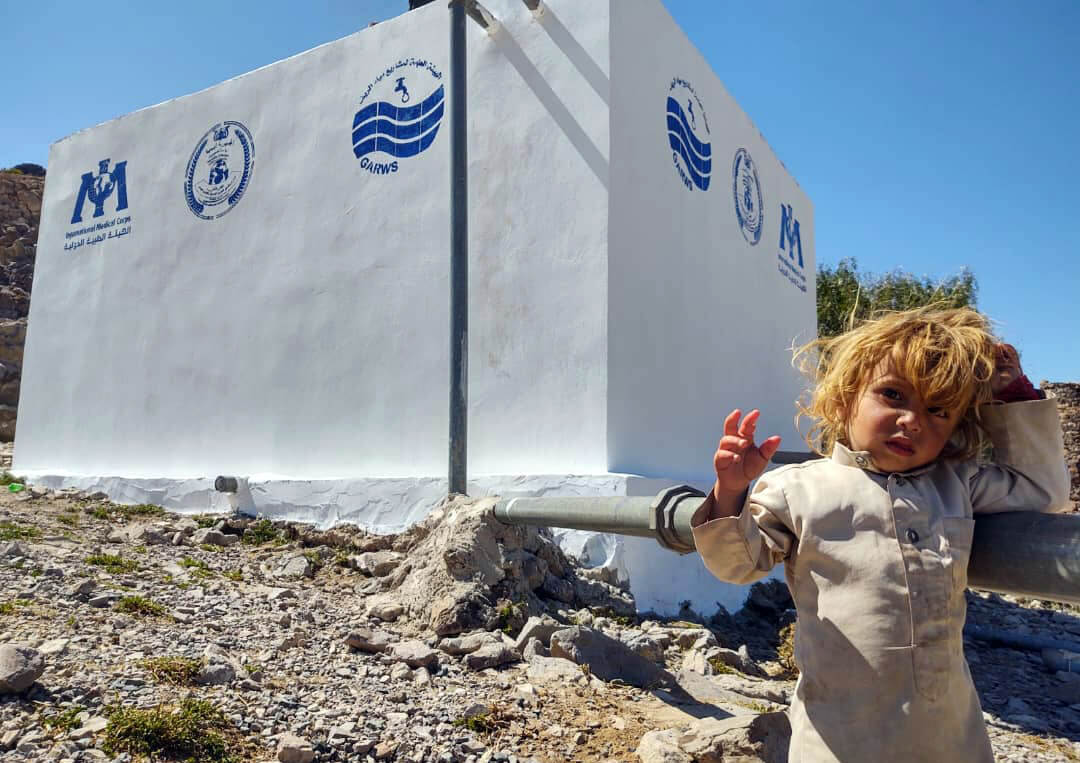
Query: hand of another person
x,y
1006,369
738,461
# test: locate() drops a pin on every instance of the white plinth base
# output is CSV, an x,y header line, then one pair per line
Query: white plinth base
x,y
659,579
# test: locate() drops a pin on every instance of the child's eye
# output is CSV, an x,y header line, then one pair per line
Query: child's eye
x,y
939,412
890,393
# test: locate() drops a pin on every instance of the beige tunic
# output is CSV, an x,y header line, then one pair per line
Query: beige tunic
x,y
877,566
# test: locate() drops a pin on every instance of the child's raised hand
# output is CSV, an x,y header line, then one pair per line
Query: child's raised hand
x,y
738,461
1007,368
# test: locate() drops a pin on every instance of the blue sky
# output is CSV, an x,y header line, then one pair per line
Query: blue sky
x,y
930,136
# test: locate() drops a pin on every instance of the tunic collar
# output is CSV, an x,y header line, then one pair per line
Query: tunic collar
x,y
860,459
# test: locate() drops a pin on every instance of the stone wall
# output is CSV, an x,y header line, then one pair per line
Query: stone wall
x,y
20,208
1068,396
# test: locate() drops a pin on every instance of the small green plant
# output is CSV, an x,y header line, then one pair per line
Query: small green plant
x,y
210,547
719,666
113,563
192,563
113,510
71,621
195,730
63,721
7,608
235,575
313,557
139,605
99,512
179,671
70,519
7,478
205,520
785,650
261,532
511,616
140,549
586,669
12,531
481,723
37,572
252,667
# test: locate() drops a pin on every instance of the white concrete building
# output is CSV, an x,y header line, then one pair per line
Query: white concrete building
x,y
253,280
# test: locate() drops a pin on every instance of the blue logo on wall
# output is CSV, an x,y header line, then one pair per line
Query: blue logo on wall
x,y
749,209
219,170
688,135
790,264
97,188
386,129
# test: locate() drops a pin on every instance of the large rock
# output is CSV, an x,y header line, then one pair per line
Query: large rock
x,y
608,659
213,537
744,738
20,666
294,749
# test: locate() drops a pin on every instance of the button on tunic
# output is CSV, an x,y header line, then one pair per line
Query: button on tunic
x,y
877,566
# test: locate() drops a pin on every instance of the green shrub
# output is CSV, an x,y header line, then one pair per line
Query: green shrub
x,y
785,650
139,605
63,721
113,563
12,531
262,532
180,671
196,730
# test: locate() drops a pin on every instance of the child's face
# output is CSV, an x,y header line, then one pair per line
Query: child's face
x,y
893,423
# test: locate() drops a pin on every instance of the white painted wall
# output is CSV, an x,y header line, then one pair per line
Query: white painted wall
x,y
301,339
304,333
700,321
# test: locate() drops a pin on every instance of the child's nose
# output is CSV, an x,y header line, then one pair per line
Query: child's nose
x,y
909,420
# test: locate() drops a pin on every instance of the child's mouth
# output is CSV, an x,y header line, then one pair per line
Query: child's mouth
x,y
900,448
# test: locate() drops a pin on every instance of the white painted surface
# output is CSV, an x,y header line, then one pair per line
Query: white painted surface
x,y
700,321
300,340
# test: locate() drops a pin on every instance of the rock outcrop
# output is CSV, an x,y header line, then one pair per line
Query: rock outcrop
x,y
1068,397
20,209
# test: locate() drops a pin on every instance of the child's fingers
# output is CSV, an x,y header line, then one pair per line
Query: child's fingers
x,y
731,423
746,429
734,444
769,447
724,459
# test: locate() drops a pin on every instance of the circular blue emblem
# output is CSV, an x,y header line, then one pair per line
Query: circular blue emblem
x,y
219,170
747,190
688,135
399,115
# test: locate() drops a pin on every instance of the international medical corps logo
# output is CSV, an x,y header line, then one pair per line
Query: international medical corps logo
x,y
688,135
749,209
219,170
97,188
399,116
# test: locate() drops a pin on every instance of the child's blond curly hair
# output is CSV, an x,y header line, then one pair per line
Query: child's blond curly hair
x,y
947,355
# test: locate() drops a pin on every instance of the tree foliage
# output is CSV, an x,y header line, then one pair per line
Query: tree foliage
x,y
845,296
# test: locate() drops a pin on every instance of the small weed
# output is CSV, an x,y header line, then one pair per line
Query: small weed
x,y
7,478
210,547
12,531
511,617
341,559
313,557
720,667
71,621
179,671
140,605
196,730
7,608
482,723
236,575
785,650
586,669
116,510
99,512
37,572
70,519
252,667
192,563
611,614
140,549
262,532
63,721
113,564
205,520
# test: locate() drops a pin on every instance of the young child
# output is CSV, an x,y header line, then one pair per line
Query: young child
x,y
875,538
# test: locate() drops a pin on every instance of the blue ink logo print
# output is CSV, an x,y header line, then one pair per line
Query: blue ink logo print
x,y
219,170
688,135
790,239
97,188
386,129
749,209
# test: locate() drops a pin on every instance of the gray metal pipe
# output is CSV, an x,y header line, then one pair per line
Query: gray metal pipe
x,y
1022,553
459,253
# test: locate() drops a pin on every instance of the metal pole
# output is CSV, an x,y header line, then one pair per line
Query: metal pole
x,y
1023,553
459,252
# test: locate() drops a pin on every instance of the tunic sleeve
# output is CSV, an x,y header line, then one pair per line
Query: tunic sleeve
x,y
1028,472
743,548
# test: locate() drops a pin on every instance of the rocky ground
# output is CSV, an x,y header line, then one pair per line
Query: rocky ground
x,y
459,640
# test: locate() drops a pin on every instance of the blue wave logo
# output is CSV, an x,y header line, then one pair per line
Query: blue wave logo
x,y
400,131
688,135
